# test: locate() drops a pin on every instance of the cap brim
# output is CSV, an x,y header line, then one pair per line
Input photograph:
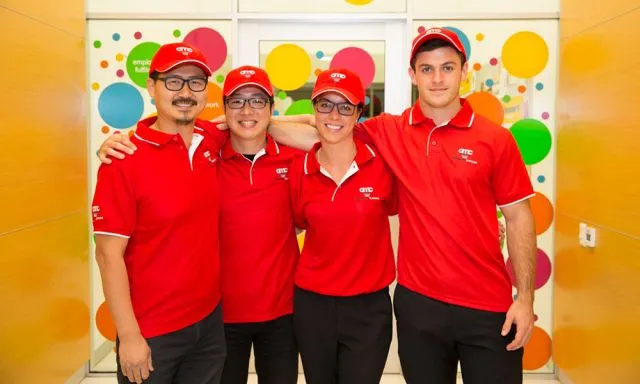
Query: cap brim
x,y
268,91
436,36
197,63
346,94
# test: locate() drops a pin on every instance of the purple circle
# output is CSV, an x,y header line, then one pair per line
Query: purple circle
x,y
212,45
545,115
543,270
358,61
119,73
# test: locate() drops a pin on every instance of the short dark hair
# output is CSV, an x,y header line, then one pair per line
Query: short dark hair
x,y
154,75
432,45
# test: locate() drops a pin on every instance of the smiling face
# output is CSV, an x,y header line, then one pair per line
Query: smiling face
x,y
247,122
437,75
334,127
183,106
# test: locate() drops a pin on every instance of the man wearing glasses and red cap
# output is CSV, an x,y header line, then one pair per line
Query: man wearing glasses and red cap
x,y
155,217
453,301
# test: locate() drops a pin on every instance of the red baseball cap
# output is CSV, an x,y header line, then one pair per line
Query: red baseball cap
x,y
342,81
169,56
437,34
246,75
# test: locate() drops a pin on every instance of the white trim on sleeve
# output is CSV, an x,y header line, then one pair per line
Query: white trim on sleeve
x,y
517,201
111,234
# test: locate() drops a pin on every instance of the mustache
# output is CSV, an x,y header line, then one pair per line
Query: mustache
x,y
184,100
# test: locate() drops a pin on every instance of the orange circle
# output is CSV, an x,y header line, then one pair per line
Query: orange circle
x,y
488,106
318,72
104,322
104,63
131,132
537,352
214,107
105,129
68,320
522,89
542,212
301,240
477,66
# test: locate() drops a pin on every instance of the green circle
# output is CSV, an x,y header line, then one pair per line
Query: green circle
x,y
219,78
282,95
506,98
300,107
176,33
139,60
97,44
533,138
499,214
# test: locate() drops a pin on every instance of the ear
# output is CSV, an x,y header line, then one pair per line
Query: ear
x,y
465,68
412,75
151,87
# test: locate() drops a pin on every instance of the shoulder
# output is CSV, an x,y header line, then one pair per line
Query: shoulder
x,y
489,130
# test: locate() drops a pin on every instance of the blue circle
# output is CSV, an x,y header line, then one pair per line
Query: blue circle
x,y
539,86
464,39
276,113
541,179
489,82
120,105
116,36
360,120
367,100
319,54
153,101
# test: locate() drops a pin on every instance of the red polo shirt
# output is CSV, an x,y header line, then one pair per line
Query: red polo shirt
x,y
347,249
164,199
258,245
450,179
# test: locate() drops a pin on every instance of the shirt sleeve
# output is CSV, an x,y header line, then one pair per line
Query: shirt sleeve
x,y
510,180
296,175
219,138
114,201
392,201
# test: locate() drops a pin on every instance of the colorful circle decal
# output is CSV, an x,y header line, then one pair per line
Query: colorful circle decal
x,y
138,62
120,105
533,138
538,351
485,104
300,107
358,61
214,107
359,2
525,54
543,270
464,39
212,45
288,66
105,323
542,212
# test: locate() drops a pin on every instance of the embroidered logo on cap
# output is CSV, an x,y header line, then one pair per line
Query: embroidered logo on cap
x,y
184,50
247,73
338,76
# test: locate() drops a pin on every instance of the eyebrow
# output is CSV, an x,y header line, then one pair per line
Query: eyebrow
x,y
445,63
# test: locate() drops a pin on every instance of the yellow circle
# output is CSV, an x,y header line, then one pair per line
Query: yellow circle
x,y
525,54
359,2
119,57
288,67
479,37
95,86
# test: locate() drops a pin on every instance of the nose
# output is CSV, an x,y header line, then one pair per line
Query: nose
x,y
437,76
246,108
334,113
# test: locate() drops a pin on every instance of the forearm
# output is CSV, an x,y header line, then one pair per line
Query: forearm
x,y
115,285
521,243
295,134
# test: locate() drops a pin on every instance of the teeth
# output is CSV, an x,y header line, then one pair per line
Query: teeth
x,y
249,123
333,127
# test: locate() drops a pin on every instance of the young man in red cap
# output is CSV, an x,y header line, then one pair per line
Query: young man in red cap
x,y
258,245
342,194
155,217
453,301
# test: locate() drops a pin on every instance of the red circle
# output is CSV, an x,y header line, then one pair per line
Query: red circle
x,y
137,35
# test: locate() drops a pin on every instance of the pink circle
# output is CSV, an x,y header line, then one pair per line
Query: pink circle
x,y
421,29
535,317
212,45
119,73
543,270
545,115
493,61
137,35
357,61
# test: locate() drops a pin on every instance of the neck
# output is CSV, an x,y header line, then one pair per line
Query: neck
x,y
337,155
441,115
170,126
248,146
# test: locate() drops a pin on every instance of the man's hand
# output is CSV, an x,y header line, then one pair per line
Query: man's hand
x,y
221,122
521,314
135,358
115,146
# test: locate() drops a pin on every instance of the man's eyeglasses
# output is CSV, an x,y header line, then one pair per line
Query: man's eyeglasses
x,y
175,83
326,106
254,102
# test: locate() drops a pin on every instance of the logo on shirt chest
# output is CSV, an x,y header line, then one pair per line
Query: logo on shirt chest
x,y
95,210
367,193
282,173
211,159
465,154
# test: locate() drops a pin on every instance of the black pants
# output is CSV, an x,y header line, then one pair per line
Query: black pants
x,y
343,340
192,355
274,347
433,336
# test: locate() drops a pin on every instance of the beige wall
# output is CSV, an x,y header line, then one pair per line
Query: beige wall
x,y
597,291
44,279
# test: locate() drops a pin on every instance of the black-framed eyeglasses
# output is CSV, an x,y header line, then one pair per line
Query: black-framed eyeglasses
x,y
175,83
326,106
254,102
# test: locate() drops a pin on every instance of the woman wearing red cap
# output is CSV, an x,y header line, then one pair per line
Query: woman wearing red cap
x,y
342,194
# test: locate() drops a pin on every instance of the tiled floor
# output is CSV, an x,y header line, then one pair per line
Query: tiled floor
x,y
387,379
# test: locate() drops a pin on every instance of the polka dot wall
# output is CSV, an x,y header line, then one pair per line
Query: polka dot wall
x,y
119,58
511,81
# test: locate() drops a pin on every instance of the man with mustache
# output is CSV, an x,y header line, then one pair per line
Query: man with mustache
x,y
155,217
